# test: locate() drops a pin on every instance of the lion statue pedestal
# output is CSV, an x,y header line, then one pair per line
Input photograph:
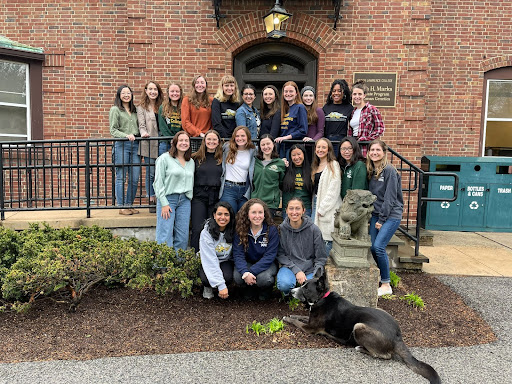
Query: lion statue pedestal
x,y
351,270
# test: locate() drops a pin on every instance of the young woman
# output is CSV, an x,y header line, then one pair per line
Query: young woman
x,y
386,184
247,115
255,249
224,105
270,112
294,117
237,168
169,115
147,115
316,117
269,172
353,168
123,124
366,122
174,182
297,179
215,246
207,175
301,247
326,175
337,111
196,111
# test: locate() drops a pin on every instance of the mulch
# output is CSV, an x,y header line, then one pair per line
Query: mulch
x,y
124,322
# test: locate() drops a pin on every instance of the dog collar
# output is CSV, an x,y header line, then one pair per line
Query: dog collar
x,y
326,294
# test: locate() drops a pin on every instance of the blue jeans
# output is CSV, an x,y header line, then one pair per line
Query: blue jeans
x,y
174,231
234,195
150,176
125,152
380,239
163,146
286,279
336,146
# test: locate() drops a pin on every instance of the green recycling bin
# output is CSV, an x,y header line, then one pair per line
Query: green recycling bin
x,y
484,201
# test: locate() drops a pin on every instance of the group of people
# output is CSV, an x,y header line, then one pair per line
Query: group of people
x,y
228,194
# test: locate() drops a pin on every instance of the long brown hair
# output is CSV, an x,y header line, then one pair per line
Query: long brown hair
x,y
370,167
167,108
200,155
174,150
284,104
243,225
269,110
199,100
233,148
316,160
145,100
311,109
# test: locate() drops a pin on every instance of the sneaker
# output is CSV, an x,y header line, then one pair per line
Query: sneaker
x,y
134,211
382,291
125,212
208,293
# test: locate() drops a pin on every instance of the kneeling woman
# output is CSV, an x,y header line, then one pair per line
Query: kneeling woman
x,y
301,247
255,249
215,245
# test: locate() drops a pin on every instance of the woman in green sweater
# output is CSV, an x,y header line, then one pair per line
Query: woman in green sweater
x,y
174,183
297,179
169,115
269,172
353,168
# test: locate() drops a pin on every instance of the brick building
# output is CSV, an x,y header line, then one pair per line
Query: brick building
x,y
449,56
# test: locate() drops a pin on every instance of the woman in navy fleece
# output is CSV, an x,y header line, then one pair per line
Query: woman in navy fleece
x,y
255,247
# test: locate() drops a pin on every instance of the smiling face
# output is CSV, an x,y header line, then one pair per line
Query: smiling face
x,y
256,215
222,218
308,97
376,153
289,94
126,95
267,146
241,139
295,210
200,84
358,97
183,143
174,93
321,149
269,96
152,91
228,88
346,151
297,157
211,141
248,96
337,94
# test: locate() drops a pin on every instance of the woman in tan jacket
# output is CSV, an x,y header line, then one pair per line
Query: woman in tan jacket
x,y
147,115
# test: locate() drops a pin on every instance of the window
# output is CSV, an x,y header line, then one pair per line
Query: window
x,y
14,101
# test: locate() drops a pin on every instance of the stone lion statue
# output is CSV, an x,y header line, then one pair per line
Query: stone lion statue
x,y
352,217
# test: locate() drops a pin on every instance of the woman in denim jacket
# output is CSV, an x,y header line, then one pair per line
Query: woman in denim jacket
x,y
247,115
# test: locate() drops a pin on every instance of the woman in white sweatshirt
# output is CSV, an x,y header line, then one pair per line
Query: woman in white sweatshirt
x,y
215,245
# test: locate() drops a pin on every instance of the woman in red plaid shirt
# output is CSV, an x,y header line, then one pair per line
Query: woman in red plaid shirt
x,y
366,122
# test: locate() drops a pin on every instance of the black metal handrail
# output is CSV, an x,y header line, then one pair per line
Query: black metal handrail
x,y
79,175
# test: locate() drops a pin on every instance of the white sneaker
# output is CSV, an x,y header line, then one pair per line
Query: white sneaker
x,y
208,293
381,291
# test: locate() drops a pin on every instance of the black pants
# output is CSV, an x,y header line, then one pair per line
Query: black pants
x,y
227,272
202,207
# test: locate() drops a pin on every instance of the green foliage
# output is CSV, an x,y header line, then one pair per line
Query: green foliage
x,y
66,263
293,303
273,326
414,300
395,279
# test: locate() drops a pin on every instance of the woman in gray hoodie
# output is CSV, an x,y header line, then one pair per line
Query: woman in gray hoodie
x,y
301,247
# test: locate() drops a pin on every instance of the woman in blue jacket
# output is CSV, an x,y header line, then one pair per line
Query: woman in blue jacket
x,y
247,115
255,247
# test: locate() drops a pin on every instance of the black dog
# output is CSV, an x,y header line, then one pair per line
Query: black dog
x,y
372,331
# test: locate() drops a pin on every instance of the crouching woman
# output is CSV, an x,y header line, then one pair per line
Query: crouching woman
x,y
215,246
255,249
301,247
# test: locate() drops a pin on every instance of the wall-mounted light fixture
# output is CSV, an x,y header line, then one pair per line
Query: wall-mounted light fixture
x,y
273,20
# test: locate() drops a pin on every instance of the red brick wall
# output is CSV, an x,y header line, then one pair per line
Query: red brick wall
x,y
438,48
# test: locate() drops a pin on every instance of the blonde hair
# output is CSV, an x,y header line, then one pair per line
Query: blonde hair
x,y
221,96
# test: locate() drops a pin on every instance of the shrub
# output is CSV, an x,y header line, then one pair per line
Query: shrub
x,y
414,300
395,279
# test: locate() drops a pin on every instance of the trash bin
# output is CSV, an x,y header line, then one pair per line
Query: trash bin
x,y
484,202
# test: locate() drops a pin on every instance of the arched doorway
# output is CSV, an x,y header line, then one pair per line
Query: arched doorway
x,y
274,63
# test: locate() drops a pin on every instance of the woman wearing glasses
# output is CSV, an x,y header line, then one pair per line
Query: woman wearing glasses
x,y
247,115
353,168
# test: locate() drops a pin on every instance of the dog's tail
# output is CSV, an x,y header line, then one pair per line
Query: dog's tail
x,y
415,365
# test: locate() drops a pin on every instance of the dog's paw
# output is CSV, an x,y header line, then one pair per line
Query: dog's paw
x,y
287,319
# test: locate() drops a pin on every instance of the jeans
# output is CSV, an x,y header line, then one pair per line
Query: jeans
x,y
174,231
150,176
286,279
163,146
380,239
264,280
125,152
336,146
234,195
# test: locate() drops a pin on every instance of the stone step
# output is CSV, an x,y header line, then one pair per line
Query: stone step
x,y
426,237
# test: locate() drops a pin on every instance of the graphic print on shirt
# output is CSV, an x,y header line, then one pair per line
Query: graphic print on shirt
x,y
228,114
336,116
299,182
